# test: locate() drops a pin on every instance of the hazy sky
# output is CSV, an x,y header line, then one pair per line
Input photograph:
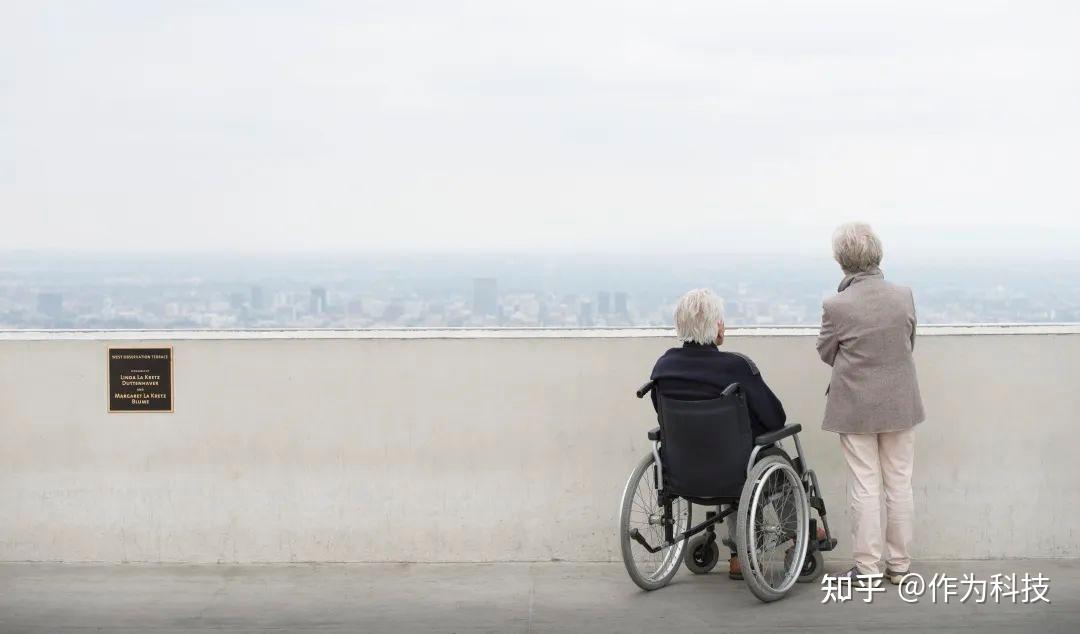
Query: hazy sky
x,y
540,125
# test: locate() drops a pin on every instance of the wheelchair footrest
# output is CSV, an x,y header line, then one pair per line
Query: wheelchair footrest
x,y
824,544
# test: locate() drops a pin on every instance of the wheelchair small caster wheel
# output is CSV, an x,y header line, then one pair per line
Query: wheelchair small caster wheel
x,y
813,567
702,555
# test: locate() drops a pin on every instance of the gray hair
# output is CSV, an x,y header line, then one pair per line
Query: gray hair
x,y
697,315
856,247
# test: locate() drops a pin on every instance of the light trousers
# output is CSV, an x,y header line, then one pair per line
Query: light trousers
x,y
873,460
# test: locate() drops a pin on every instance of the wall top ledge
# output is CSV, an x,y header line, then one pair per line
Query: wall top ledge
x,y
496,333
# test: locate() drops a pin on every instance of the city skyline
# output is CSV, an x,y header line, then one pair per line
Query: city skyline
x,y
494,290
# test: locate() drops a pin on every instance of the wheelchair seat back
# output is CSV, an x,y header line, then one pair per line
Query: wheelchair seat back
x,y
705,445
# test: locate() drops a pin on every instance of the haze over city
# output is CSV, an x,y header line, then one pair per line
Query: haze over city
x,y
197,291
584,127
367,164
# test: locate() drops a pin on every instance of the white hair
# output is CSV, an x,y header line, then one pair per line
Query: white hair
x,y
856,247
697,316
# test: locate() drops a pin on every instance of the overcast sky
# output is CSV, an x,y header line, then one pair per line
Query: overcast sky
x,y
541,125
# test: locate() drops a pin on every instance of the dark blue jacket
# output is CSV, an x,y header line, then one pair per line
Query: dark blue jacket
x,y
697,372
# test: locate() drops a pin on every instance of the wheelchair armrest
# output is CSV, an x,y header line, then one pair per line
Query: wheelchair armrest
x,y
773,436
654,433
645,389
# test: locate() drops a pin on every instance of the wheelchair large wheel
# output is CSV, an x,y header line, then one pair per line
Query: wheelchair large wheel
x,y
773,519
640,510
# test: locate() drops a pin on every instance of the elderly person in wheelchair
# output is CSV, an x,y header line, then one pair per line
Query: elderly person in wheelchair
x,y
718,446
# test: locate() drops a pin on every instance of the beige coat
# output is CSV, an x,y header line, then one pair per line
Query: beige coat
x,y
867,336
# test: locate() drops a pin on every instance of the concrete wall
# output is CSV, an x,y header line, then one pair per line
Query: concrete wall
x,y
508,446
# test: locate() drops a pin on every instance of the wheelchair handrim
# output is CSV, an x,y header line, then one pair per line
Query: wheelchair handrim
x,y
798,502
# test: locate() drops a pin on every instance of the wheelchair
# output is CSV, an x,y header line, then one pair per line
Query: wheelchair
x,y
703,454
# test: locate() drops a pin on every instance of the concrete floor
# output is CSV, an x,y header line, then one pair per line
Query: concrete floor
x,y
542,597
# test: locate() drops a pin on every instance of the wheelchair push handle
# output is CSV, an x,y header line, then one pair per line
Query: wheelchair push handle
x,y
651,385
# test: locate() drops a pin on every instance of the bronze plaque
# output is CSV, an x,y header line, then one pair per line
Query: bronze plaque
x,y
140,380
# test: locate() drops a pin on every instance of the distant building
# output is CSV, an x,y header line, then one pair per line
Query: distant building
x,y
622,301
393,311
603,302
318,300
51,304
585,315
485,296
258,298
236,301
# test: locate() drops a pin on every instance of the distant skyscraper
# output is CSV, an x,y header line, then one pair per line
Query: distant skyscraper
x,y
485,296
258,298
603,302
393,311
585,316
51,304
318,300
621,304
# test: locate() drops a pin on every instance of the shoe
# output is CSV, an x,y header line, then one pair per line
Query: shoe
x,y
734,569
895,577
861,581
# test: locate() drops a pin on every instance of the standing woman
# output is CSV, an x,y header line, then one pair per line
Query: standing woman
x,y
867,336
